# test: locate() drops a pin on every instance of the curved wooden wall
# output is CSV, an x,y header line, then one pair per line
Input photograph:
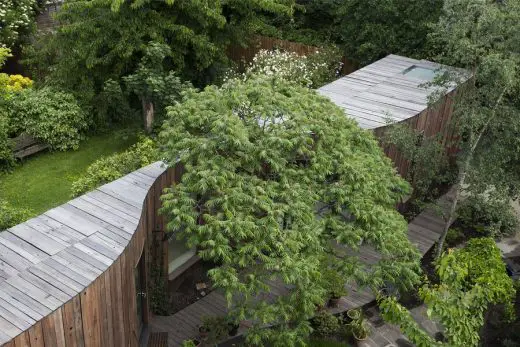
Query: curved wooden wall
x,y
103,312
433,121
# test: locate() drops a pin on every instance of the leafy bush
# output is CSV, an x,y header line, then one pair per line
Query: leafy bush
x,y
16,19
325,324
489,216
334,283
310,71
454,237
51,116
6,154
113,167
10,216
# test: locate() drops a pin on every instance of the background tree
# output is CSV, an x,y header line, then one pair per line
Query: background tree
x,y
482,37
103,40
155,87
471,279
367,30
370,30
275,178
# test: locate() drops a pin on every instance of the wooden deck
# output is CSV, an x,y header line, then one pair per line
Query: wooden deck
x,y
387,90
423,232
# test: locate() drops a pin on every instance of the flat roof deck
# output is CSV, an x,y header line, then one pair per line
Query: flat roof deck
x,y
389,90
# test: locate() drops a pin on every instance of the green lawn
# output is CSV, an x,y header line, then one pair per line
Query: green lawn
x,y
44,181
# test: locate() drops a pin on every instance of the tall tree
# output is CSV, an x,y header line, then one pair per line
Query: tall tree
x,y
372,29
482,37
100,40
277,183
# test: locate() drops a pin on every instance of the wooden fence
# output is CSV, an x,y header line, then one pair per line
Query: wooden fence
x,y
243,55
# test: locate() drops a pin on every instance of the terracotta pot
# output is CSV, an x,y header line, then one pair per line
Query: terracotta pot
x,y
203,333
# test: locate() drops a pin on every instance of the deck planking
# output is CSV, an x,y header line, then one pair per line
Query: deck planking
x,y
381,93
48,260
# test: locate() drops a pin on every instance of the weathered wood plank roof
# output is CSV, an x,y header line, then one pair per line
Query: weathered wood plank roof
x,y
49,259
390,89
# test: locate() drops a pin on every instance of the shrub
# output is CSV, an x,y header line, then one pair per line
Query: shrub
x,y
489,216
6,154
113,167
310,71
16,17
454,237
51,116
10,215
325,324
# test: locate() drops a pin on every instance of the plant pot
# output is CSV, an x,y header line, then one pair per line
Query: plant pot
x,y
204,332
233,329
334,302
353,314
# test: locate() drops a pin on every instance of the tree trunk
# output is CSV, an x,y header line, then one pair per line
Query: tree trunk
x,y
148,114
461,179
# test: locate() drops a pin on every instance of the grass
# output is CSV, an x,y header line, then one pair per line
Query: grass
x,y
314,342
44,181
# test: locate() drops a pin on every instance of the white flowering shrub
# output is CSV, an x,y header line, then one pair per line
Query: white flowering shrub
x,y
310,71
16,19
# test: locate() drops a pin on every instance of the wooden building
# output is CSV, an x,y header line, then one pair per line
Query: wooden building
x,y
76,275
394,90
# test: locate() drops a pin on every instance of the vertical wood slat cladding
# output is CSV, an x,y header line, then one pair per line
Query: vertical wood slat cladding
x,y
435,120
105,312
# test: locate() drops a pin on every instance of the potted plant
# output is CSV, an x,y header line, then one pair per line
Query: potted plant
x,y
204,332
360,329
213,329
232,327
353,314
191,343
335,285
359,326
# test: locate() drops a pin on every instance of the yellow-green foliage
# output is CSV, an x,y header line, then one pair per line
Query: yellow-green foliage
x,y
16,83
11,83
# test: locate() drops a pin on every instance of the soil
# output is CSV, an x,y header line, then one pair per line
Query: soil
x,y
185,292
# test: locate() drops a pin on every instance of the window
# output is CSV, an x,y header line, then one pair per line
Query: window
x,y
421,73
178,253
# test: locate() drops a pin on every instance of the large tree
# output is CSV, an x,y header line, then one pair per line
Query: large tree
x,y
100,40
277,183
482,36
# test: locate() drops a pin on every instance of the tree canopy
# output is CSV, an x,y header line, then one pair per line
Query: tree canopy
x,y
102,39
366,30
482,37
277,182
